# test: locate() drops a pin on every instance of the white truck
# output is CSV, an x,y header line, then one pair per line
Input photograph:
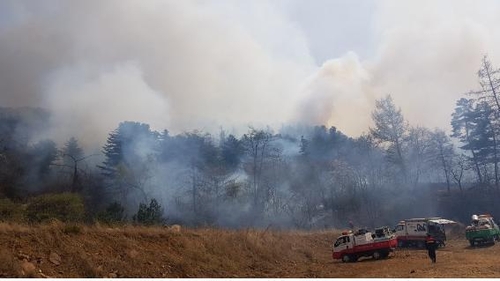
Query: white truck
x,y
412,232
349,247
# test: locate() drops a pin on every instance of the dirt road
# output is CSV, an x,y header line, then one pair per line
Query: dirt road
x,y
457,259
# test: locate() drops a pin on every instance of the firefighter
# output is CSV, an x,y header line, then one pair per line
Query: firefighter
x,y
431,244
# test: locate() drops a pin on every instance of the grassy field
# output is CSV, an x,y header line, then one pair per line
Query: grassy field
x,y
68,250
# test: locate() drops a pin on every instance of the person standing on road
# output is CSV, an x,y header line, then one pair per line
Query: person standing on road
x,y
431,245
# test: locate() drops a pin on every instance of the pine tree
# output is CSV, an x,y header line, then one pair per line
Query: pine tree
x,y
129,153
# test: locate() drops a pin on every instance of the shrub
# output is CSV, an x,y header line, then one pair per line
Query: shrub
x,y
149,215
72,229
10,211
66,207
114,213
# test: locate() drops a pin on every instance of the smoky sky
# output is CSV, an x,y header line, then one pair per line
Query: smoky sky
x,y
185,65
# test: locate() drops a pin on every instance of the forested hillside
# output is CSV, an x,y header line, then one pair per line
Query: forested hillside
x,y
296,176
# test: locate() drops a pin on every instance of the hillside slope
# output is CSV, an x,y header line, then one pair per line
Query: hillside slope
x,y
58,250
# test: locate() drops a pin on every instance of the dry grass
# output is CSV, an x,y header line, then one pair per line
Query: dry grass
x,y
136,251
9,266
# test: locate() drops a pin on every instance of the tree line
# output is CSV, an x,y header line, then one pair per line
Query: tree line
x,y
298,177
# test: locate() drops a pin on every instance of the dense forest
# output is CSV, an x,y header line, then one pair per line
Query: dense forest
x,y
297,177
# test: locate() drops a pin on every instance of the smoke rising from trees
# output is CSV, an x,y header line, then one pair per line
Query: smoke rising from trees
x,y
205,66
133,70
188,64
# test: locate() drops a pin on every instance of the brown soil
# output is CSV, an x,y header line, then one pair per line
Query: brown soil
x,y
59,250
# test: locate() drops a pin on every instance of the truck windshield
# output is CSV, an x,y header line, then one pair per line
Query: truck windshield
x,y
341,240
338,242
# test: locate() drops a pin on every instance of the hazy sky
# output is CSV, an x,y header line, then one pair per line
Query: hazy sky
x,y
185,65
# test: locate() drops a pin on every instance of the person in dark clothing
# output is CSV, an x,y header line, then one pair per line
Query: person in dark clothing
x,y
431,244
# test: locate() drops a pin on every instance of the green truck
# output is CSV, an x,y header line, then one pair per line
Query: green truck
x,y
483,229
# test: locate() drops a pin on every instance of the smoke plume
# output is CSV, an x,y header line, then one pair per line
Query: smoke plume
x,y
185,65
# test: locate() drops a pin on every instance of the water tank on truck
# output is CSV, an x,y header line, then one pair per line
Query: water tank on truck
x,y
349,246
412,232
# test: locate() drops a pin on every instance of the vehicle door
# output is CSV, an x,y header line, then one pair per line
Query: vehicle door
x,y
400,230
342,243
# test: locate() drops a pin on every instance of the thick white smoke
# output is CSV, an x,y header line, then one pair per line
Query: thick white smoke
x,y
185,65
426,57
89,102
338,95
180,65
429,53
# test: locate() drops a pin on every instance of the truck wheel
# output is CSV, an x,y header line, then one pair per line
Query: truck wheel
x,y
471,242
385,254
376,255
346,258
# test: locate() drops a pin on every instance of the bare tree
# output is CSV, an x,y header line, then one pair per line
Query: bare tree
x,y
390,130
256,144
489,80
420,153
71,155
443,151
458,168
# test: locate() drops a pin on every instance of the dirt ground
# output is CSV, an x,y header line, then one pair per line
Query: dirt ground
x,y
58,250
457,259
